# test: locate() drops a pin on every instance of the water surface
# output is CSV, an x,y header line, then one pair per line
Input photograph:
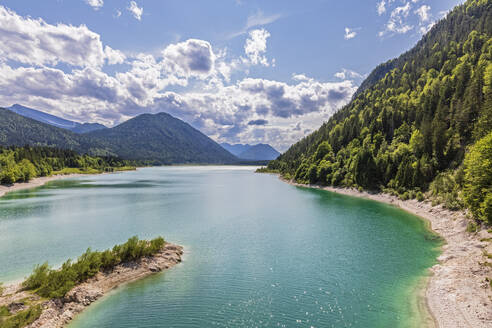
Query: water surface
x,y
259,252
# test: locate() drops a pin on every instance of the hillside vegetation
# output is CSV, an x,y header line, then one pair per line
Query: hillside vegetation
x,y
413,122
155,139
21,164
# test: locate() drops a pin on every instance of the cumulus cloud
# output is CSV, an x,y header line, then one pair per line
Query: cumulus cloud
x,y
114,56
256,46
423,13
348,74
397,22
247,110
135,10
349,33
34,42
381,7
96,4
192,57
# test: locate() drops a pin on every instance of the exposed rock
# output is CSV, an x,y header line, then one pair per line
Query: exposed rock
x,y
58,312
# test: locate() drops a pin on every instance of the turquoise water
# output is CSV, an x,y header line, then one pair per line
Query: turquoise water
x,y
259,252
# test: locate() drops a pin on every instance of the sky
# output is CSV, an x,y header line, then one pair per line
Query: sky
x,y
239,71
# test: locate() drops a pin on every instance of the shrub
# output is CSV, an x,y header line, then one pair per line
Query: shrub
x,y
56,283
472,227
22,318
420,196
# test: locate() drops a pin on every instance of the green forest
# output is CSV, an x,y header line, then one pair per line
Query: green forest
x,y
21,164
420,126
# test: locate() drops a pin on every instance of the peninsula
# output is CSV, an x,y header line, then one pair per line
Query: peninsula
x,y
51,298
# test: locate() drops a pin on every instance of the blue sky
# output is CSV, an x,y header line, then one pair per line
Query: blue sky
x,y
238,70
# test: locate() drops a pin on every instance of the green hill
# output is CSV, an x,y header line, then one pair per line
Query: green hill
x,y
158,139
410,124
17,130
163,138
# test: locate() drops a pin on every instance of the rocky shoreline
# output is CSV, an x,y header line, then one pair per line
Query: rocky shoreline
x,y
56,313
458,293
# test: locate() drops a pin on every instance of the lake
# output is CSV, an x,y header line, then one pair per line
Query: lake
x,y
258,252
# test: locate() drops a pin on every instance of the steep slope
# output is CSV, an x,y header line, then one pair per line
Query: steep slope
x,y
408,127
17,130
164,139
55,120
235,149
259,152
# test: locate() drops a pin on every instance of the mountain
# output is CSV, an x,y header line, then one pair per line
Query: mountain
x,y
235,149
163,138
413,120
159,138
18,130
259,152
55,120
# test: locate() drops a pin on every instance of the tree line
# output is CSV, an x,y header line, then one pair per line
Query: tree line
x,y
21,164
419,125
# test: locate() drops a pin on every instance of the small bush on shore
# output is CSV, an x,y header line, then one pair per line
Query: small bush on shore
x,y
472,227
52,283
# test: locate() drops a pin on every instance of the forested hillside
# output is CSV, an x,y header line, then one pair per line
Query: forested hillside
x,y
163,139
21,164
413,121
153,139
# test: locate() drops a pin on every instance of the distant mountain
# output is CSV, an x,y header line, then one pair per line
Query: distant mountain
x,y
18,130
235,149
259,152
55,120
159,138
163,138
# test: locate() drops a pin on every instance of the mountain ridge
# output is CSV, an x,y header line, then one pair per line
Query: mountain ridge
x,y
170,140
54,120
407,129
257,152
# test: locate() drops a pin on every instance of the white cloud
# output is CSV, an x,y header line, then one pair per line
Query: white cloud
x,y
349,33
256,46
114,56
397,22
117,13
381,7
423,13
135,10
348,74
34,42
192,57
96,4
235,111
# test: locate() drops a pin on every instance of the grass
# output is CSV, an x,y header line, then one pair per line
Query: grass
x,y
20,319
4,311
74,170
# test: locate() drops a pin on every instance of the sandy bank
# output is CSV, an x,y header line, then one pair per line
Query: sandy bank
x,y
58,312
457,293
36,182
